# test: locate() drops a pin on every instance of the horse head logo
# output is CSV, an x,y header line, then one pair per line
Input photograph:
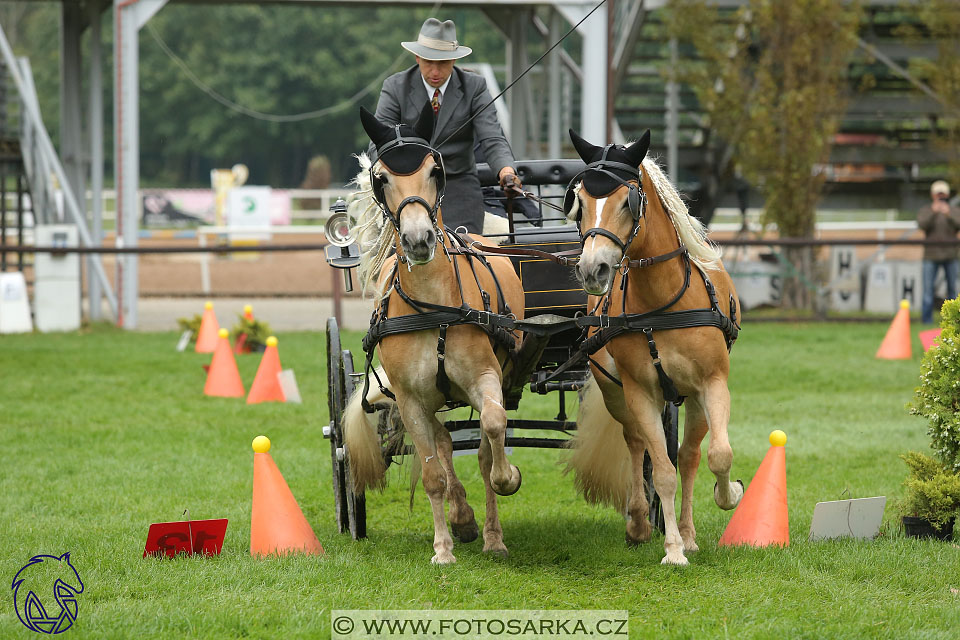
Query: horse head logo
x,y
40,576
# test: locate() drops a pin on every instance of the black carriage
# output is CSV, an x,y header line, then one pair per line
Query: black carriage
x,y
552,295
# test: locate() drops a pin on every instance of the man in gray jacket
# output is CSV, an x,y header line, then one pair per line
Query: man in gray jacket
x,y
456,96
939,221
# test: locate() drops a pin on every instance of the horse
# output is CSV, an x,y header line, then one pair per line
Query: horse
x,y
669,341
460,362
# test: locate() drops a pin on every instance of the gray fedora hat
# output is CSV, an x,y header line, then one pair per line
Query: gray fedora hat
x,y
437,41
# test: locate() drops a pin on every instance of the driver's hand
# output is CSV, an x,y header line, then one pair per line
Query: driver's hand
x,y
511,184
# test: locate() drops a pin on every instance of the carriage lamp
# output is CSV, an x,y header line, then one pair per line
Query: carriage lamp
x,y
343,252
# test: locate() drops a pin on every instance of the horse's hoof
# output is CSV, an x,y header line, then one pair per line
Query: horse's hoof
x,y
733,503
466,532
446,558
515,481
690,547
500,551
677,560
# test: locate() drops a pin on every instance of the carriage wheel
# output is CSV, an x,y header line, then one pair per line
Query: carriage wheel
x,y
671,419
356,504
335,404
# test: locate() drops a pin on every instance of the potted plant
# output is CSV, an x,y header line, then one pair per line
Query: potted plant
x,y
192,325
933,486
255,333
932,498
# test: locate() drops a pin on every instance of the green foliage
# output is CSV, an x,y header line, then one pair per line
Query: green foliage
x,y
276,59
932,490
938,397
938,21
772,86
192,325
257,332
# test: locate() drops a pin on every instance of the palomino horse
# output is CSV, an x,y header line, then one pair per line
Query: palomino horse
x,y
661,333
452,361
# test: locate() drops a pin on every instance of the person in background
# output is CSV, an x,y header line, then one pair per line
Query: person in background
x,y
939,221
456,96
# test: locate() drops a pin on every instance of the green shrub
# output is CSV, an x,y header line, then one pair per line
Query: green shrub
x,y
192,325
257,332
938,397
932,490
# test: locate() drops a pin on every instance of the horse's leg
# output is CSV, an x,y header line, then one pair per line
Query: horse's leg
x,y
688,460
646,410
421,426
492,531
638,509
487,397
461,517
716,400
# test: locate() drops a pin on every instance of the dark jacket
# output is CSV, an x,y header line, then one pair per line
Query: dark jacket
x,y
403,96
939,226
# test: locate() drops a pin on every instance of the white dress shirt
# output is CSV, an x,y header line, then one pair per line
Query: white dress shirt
x,y
430,89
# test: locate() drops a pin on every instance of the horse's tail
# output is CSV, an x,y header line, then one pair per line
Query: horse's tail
x,y
362,440
600,459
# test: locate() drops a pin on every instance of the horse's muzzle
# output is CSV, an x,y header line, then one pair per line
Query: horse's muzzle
x,y
419,246
595,278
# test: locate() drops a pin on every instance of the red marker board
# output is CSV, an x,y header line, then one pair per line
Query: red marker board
x,y
189,537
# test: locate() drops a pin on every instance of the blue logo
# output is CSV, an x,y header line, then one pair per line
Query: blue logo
x,y
39,578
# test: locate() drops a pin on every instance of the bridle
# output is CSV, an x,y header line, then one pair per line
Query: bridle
x,y
376,181
636,200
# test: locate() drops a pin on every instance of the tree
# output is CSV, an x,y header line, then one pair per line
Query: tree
x,y
772,85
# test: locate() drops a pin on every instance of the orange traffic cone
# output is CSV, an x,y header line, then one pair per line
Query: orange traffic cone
x,y
277,525
761,519
896,344
223,378
209,328
266,386
247,312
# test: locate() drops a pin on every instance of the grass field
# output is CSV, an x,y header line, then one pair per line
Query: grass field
x,y
104,432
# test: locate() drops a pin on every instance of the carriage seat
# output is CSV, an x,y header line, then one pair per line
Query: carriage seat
x,y
535,172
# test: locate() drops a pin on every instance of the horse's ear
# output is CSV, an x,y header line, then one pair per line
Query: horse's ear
x,y
424,126
376,130
585,150
638,150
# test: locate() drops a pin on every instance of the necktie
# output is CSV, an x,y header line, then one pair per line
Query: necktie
x,y
436,101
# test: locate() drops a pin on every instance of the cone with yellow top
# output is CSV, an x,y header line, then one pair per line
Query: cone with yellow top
x,y
247,312
761,519
223,378
266,385
896,344
209,330
277,525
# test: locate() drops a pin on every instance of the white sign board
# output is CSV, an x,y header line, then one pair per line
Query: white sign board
x,y
908,284
14,306
248,207
880,294
844,279
757,283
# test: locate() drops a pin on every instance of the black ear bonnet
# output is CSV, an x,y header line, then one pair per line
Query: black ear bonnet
x,y
402,149
609,168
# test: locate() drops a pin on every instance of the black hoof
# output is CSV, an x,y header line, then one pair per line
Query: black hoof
x,y
466,532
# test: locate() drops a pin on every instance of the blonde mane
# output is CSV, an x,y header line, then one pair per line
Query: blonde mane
x,y
375,238
691,231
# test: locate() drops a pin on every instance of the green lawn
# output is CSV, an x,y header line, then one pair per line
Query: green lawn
x,y
104,432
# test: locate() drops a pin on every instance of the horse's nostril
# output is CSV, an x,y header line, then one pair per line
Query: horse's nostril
x,y
603,272
431,237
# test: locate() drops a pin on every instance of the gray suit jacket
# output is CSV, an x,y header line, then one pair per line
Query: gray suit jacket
x,y
403,96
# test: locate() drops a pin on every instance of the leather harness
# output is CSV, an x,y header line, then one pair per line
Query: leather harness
x,y
502,324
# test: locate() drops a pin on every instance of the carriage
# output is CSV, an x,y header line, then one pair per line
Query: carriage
x,y
552,296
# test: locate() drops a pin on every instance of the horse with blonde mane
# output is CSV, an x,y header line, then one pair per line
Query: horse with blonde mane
x,y
664,316
436,332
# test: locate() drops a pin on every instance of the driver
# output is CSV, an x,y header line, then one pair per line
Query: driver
x,y
456,96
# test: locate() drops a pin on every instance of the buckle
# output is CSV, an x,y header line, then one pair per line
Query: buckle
x,y
604,321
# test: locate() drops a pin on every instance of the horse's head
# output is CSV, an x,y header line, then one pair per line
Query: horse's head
x,y
607,202
408,182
